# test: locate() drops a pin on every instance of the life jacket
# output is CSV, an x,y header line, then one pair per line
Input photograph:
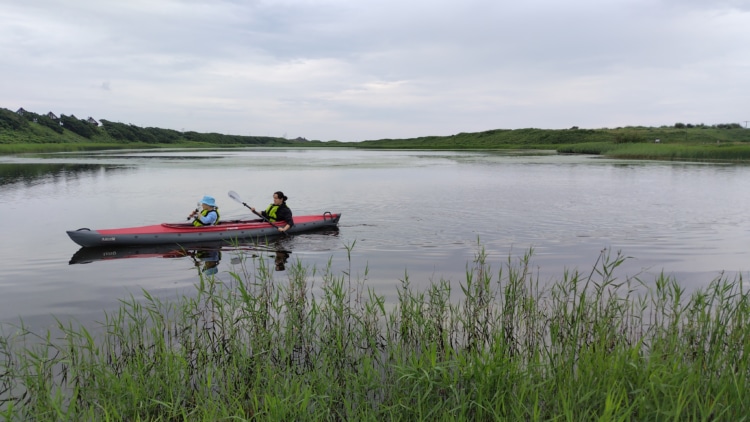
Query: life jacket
x,y
271,212
198,223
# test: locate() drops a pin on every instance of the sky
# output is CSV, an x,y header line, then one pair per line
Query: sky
x,y
353,70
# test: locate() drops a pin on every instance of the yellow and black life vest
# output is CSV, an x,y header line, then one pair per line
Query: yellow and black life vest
x,y
271,212
198,223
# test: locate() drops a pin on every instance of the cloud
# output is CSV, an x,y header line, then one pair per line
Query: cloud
x,y
354,69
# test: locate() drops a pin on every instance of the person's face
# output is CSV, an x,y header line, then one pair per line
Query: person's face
x,y
205,207
276,200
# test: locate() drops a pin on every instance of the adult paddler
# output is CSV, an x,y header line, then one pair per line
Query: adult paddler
x,y
278,211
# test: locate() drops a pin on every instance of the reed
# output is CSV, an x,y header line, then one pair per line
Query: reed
x,y
321,345
675,152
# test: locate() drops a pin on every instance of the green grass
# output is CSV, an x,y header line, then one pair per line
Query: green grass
x,y
96,146
724,142
672,152
321,345
68,147
33,128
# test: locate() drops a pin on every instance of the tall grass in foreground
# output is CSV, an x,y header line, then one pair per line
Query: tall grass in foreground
x,y
496,346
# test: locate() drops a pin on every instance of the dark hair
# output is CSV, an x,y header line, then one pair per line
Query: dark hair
x,y
281,195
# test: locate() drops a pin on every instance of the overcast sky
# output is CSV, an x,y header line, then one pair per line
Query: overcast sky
x,y
353,70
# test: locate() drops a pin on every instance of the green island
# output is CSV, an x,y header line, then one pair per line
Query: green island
x,y
23,131
498,345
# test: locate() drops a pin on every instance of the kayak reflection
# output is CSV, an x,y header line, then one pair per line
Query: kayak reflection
x,y
207,255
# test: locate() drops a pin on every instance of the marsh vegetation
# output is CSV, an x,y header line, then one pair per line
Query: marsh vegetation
x,y
321,345
25,132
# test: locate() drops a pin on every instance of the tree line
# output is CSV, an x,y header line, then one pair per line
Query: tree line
x,y
26,126
23,121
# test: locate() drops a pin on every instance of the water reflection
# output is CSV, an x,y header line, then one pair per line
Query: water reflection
x,y
31,174
280,259
207,260
206,255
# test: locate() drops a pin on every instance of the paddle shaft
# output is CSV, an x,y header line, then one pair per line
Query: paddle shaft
x,y
233,195
262,216
258,214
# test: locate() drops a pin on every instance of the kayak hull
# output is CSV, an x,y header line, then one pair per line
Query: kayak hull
x,y
179,233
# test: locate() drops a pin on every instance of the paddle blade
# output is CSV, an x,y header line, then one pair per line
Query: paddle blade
x,y
235,196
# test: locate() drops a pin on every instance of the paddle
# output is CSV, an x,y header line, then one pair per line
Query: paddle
x,y
236,197
197,210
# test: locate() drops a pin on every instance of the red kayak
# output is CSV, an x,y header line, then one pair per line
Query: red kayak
x,y
187,233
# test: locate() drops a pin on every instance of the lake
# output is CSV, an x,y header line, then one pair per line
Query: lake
x,y
419,214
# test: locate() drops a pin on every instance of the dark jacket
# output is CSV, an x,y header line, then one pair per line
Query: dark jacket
x,y
279,213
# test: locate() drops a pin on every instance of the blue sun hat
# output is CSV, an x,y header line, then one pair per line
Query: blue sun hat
x,y
210,271
208,200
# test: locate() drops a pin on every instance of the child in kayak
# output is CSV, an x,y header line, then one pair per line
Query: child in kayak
x,y
208,215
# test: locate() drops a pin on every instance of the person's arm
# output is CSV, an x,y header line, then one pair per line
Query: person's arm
x,y
262,212
211,218
285,214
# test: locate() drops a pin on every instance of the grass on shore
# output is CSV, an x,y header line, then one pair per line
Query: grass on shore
x,y
670,152
497,346
28,148
728,152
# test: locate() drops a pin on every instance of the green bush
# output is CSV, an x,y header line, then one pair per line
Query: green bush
x,y
77,126
629,138
10,120
130,133
49,123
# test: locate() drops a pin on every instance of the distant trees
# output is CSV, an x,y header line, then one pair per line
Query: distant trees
x,y
23,124
129,133
729,126
629,137
78,126
31,117
218,138
50,123
704,126
153,135
11,120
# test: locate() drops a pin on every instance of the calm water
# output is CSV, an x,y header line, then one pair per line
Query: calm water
x,y
405,212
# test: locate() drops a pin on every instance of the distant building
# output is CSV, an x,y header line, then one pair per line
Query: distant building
x,y
21,111
92,121
51,115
